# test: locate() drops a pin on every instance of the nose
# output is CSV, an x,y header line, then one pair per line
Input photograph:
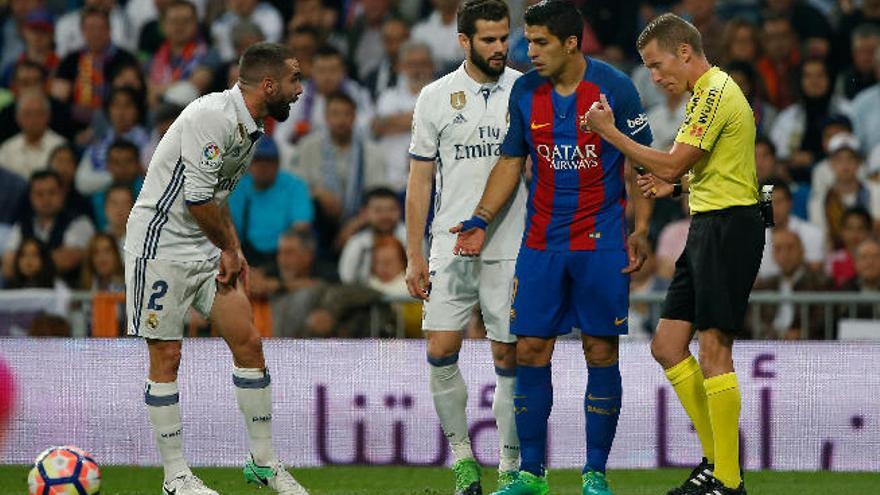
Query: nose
x,y
655,76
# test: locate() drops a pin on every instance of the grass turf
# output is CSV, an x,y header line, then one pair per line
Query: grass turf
x,y
128,480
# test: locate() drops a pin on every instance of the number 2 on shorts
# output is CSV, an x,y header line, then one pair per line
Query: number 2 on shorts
x,y
160,287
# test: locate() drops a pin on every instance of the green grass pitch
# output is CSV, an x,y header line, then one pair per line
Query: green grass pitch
x,y
126,480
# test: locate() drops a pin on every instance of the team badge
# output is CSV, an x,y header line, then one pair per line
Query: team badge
x,y
584,124
457,100
153,321
697,131
211,152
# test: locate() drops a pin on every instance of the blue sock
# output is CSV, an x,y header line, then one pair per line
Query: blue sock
x,y
602,408
532,402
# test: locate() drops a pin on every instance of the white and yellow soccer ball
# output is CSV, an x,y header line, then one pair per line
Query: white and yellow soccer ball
x,y
65,470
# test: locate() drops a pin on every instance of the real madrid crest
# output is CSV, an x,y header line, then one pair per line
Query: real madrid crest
x,y
583,124
457,100
153,321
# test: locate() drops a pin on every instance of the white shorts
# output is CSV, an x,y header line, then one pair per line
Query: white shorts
x,y
158,294
458,284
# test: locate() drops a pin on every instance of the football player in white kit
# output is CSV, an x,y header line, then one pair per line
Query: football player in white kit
x,y
181,250
459,124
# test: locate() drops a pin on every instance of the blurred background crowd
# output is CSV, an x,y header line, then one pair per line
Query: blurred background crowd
x,y
88,87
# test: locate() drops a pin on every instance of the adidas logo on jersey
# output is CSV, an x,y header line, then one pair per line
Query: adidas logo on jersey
x,y
459,119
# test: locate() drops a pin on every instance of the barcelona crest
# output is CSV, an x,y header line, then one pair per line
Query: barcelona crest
x,y
583,124
457,100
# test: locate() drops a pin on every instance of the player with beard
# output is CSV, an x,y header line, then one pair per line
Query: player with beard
x,y
181,250
459,124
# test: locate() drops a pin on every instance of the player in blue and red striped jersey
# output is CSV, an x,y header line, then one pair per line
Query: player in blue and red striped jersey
x,y
575,259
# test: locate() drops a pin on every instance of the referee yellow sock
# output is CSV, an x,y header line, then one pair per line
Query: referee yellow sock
x,y
687,380
725,402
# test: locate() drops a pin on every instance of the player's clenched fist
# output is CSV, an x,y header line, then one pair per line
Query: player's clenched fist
x,y
653,187
417,278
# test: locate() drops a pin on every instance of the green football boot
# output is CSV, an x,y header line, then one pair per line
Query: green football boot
x,y
506,477
526,483
595,484
467,477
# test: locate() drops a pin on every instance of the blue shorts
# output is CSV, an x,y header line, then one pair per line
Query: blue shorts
x,y
554,292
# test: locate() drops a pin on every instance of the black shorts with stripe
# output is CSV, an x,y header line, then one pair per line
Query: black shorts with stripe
x,y
715,273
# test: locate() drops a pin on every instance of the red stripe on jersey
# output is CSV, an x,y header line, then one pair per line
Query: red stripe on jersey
x,y
541,127
591,187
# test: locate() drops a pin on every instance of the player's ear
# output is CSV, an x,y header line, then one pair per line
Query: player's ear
x,y
684,52
571,45
464,42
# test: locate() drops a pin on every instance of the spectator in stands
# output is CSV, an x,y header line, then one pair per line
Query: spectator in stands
x,y
183,57
163,116
705,19
304,42
145,17
83,75
13,191
781,57
339,164
860,73
29,76
11,44
766,164
855,228
811,26
308,116
797,132
118,201
243,35
65,234
847,191
33,267
866,118
741,42
126,115
394,110
746,77
365,36
267,203
304,306
823,176
665,118
812,239
102,268
380,216
395,32
37,33
69,38
867,13
440,32
125,168
29,150
867,278
388,268
784,320
262,14
311,13
63,162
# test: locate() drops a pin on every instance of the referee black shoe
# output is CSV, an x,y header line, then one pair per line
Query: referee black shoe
x,y
718,488
698,482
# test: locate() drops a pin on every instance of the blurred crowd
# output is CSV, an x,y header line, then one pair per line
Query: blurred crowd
x,y
88,87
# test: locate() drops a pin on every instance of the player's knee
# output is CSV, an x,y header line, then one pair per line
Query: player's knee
x,y
533,352
601,352
442,345
666,354
165,361
504,355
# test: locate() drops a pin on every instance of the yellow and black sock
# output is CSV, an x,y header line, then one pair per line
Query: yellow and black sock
x,y
724,399
687,380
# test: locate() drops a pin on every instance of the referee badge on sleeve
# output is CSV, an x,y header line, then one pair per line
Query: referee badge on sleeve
x,y
457,100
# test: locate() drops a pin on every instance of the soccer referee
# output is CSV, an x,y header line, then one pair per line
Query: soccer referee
x,y
715,147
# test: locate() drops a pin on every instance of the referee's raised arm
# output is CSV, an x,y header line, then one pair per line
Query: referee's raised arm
x,y
715,147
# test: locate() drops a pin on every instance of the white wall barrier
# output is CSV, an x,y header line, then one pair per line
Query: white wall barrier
x,y
807,406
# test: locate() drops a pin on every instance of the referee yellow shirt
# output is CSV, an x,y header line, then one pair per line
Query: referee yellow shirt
x,y
719,120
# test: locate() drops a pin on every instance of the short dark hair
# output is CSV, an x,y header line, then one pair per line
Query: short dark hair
x,y
670,31
327,51
43,175
380,192
857,211
124,144
764,140
91,10
118,186
179,3
310,31
471,11
137,99
261,60
343,97
561,17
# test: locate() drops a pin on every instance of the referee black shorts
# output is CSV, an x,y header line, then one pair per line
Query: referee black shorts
x,y
715,273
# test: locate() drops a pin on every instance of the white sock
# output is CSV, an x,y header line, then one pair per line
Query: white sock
x,y
502,407
254,396
164,408
450,399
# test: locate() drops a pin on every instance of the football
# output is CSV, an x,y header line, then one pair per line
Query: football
x,y
64,470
